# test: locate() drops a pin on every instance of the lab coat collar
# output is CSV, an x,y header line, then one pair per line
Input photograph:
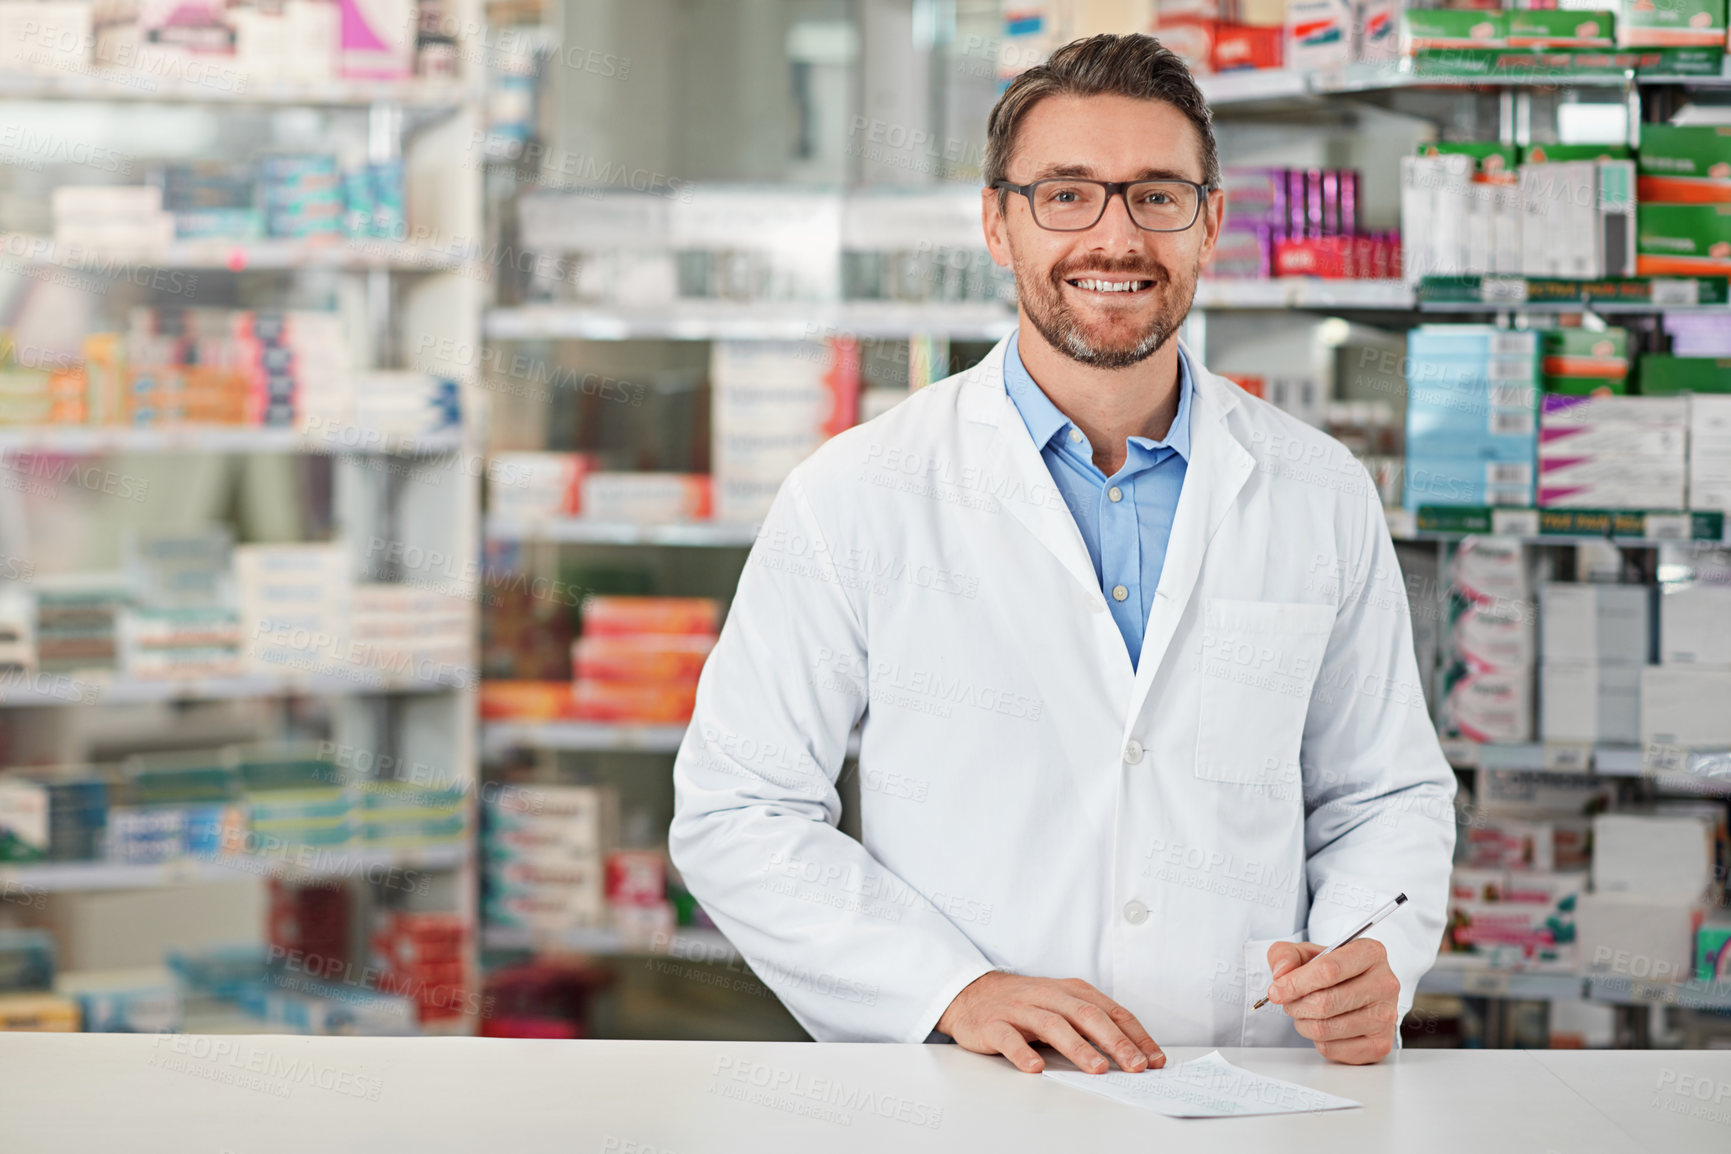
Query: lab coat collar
x,y
1218,467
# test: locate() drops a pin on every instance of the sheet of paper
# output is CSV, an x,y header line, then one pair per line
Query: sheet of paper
x,y
1208,1087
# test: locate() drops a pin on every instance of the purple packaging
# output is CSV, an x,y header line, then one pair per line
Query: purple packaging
x,y
1698,335
1349,200
1331,202
1295,201
1255,196
1313,203
1243,251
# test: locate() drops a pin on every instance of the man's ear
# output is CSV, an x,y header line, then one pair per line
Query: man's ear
x,y
995,227
1213,219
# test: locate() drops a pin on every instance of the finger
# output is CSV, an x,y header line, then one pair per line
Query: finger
x,y
1352,994
1284,957
1357,1051
1124,1020
1327,970
1009,1042
1372,1021
1054,1029
1097,1026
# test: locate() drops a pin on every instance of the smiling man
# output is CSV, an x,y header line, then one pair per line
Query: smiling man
x,y
1129,652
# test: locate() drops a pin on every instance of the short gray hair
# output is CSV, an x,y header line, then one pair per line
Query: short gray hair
x,y
1131,65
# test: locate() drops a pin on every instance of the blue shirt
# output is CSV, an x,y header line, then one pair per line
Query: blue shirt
x,y
1125,519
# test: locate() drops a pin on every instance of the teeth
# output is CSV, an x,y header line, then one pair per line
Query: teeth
x,y
1109,286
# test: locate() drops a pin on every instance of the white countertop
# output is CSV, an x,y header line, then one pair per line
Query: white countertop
x,y
71,1093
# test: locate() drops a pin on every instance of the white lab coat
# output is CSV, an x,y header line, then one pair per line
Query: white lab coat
x,y
1028,802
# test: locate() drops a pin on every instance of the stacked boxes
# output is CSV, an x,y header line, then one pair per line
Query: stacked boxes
x,y
1578,219
1683,697
536,486
310,920
545,848
124,216
294,605
1612,452
1652,873
399,814
302,196
1594,643
420,957
404,632
773,403
53,814
637,895
647,498
1685,187
141,1001
1472,400
1299,222
1485,690
173,806
77,618
1584,362
638,658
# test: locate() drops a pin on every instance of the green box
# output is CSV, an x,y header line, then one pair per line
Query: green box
x,y
1585,356
1552,28
1685,62
1671,24
1564,153
1428,29
1667,376
1699,150
1488,156
1585,386
1683,239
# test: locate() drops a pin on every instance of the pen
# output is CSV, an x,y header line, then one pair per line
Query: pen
x,y
1399,900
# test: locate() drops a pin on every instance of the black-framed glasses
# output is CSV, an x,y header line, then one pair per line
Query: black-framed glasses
x,y
1064,204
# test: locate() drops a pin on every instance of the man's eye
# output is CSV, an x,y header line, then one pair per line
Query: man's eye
x,y
1157,198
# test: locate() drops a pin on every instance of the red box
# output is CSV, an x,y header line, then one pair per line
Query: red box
x,y
1241,47
636,877
1191,38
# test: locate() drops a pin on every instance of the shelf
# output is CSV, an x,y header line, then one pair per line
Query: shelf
x,y
1278,86
1633,527
1491,982
312,862
710,320
687,944
18,690
498,736
576,531
1482,294
94,439
572,736
227,88
232,255
1691,995
1302,293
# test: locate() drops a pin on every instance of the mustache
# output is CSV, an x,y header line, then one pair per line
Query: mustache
x,y
1148,270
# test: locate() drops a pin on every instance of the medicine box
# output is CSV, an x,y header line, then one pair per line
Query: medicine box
x,y
1641,938
1596,704
1685,163
1695,625
1595,624
1652,855
1673,24
1683,707
1667,376
1683,240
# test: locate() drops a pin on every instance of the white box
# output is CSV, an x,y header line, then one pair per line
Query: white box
x,y
1579,702
1319,34
1652,856
1645,939
1493,706
1596,624
646,498
1695,625
1684,707
105,201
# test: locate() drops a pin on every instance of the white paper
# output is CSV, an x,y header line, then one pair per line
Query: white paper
x,y
1208,1087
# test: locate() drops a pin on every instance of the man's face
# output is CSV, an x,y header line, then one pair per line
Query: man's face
x,y
1064,279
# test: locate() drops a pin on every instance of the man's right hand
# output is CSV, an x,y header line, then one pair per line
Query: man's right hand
x,y
999,1013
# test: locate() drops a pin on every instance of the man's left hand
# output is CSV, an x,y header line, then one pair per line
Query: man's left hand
x,y
1347,1003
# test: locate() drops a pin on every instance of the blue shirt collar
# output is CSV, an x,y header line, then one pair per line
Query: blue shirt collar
x,y
1045,420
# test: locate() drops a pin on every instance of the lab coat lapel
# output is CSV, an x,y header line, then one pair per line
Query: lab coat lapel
x,y
1017,473
1216,472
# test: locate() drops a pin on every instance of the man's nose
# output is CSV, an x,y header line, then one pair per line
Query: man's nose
x,y
1115,231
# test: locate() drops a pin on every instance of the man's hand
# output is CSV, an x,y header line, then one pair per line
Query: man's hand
x,y
999,1013
1347,1003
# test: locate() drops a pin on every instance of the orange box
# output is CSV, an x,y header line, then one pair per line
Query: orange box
x,y
621,701
655,657
614,616
1241,47
525,700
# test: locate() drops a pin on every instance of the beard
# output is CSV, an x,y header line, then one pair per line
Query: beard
x,y
1042,298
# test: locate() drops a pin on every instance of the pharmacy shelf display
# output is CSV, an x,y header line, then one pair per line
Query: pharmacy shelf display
x,y
687,943
398,497
577,531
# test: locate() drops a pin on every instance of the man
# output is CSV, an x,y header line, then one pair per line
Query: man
x,y
1129,650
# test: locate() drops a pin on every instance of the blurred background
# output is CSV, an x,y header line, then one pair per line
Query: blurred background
x,y
389,391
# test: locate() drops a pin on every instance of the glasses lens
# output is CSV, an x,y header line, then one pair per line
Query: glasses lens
x,y
1163,205
1067,204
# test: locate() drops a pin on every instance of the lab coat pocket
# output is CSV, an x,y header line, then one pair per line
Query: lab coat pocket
x,y
1268,1026
1259,661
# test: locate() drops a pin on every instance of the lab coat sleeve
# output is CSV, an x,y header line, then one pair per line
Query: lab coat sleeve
x,y
1379,794
852,951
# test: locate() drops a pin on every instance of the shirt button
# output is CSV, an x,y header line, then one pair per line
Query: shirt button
x,y
1119,592
1133,752
1115,493
1075,436
1135,912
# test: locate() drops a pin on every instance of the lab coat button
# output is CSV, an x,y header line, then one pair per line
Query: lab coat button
x,y
1135,912
1133,752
